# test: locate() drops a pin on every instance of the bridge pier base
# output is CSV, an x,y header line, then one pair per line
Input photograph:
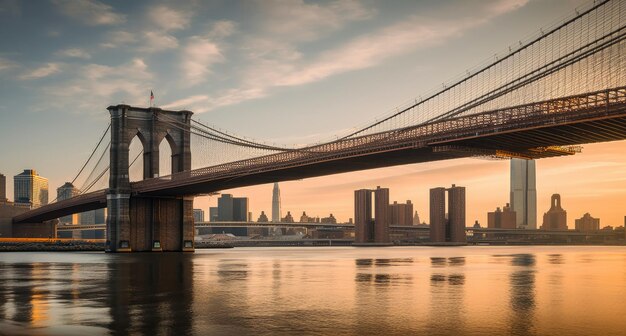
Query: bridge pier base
x,y
151,224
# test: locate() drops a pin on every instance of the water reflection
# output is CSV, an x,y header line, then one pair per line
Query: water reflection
x,y
555,259
522,294
321,291
382,276
150,294
447,296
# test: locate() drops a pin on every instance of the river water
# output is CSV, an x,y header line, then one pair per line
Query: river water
x,y
318,291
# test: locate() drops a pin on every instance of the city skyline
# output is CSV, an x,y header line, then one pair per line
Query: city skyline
x,y
32,81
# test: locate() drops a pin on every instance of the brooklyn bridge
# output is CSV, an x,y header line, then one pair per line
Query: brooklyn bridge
x,y
542,98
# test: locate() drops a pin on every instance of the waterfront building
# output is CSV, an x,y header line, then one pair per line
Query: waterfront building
x,y
198,215
3,188
456,214
328,220
438,221
504,218
524,193
586,223
450,228
231,208
67,191
213,214
556,217
306,219
276,214
401,214
30,189
288,218
262,218
368,228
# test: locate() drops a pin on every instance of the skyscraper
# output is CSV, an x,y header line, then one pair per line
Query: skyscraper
x,y
381,215
276,215
64,192
363,220
213,217
3,188
231,208
524,193
452,227
368,229
30,188
456,214
438,220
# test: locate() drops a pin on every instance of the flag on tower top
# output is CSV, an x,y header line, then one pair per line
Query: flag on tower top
x,y
151,95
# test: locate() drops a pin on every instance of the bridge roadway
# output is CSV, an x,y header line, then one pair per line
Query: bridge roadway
x,y
528,131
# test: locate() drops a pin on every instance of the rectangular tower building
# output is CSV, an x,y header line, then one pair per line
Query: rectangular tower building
x,y
381,215
401,214
363,220
438,215
371,228
3,188
450,227
456,214
524,193
30,188
240,209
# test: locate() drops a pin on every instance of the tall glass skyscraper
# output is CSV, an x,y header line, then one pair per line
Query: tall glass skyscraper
x,y
524,193
30,188
276,215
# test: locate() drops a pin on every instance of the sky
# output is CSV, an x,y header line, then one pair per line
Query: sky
x,y
288,72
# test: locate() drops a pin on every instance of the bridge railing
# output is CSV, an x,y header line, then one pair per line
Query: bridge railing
x,y
533,114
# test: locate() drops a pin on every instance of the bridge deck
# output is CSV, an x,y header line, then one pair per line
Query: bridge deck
x,y
526,130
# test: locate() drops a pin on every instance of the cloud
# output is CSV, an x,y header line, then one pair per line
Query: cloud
x,y
274,57
199,55
169,19
279,63
118,38
186,102
222,29
6,64
158,41
74,52
504,6
41,72
297,20
104,85
90,12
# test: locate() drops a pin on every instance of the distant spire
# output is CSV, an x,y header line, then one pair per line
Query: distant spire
x,y
416,219
276,215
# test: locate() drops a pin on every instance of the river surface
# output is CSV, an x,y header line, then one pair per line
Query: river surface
x,y
318,291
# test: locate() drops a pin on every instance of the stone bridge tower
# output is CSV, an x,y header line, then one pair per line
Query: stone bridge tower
x,y
148,223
